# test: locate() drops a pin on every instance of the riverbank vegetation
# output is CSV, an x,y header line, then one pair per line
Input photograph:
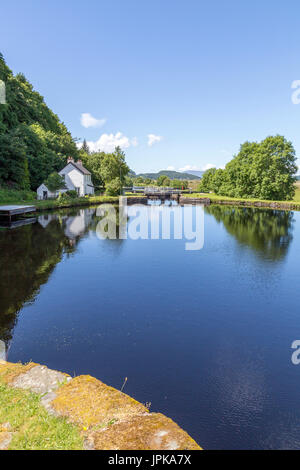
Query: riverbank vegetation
x,y
30,427
293,204
8,196
35,144
264,170
33,141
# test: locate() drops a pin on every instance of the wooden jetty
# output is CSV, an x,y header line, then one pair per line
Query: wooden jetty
x,y
17,223
9,212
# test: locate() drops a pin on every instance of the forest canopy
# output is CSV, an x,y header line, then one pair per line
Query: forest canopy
x,y
33,141
261,170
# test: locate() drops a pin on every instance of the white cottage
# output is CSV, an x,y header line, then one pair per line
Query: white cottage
x,y
77,178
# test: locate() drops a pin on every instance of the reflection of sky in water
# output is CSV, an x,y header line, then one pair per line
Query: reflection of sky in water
x,y
204,336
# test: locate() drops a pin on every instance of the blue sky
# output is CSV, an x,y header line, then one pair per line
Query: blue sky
x,y
198,77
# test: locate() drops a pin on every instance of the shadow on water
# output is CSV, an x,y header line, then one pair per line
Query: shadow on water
x,y
267,232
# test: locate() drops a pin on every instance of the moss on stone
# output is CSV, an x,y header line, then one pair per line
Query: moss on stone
x,y
9,372
105,417
147,432
89,402
5,440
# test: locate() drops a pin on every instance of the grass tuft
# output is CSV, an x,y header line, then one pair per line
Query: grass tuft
x,y
32,427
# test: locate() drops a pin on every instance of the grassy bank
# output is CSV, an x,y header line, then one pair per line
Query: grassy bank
x,y
83,412
28,198
31,426
215,199
11,197
73,202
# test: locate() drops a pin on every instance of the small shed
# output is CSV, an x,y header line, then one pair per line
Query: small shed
x,y
44,193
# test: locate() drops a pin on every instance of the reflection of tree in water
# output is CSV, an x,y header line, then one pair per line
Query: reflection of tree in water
x,y
30,253
28,256
266,231
112,218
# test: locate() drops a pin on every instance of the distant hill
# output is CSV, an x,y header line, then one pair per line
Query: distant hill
x,y
170,174
298,177
196,173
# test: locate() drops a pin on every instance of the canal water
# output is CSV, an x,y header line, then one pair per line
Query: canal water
x,y
203,335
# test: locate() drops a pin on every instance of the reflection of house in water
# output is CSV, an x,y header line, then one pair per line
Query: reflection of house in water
x,y
77,225
44,220
74,226
29,256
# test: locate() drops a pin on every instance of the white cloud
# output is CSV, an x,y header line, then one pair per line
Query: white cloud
x,y
153,139
186,168
108,142
208,166
171,168
87,120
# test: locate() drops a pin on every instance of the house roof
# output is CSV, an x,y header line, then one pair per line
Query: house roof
x,y
42,186
80,168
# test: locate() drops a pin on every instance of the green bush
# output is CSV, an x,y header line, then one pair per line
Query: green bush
x,y
72,194
113,188
63,197
261,170
16,196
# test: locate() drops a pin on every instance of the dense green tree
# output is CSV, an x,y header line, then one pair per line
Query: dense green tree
x,y
13,159
139,180
85,147
114,187
55,182
206,182
264,170
92,161
128,181
33,141
179,184
113,166
162,180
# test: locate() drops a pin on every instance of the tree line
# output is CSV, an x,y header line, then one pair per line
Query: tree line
x,y
34,144
109,170
33,141
162,180
261,170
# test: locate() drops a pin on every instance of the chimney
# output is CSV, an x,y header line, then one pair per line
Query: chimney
x,y
79,162
70,159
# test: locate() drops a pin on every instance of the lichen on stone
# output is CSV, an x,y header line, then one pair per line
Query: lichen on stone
x,y
9,372
106,418
146,432
89,402
5,440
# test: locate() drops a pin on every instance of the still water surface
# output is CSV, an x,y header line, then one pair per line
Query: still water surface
x,y
205,336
